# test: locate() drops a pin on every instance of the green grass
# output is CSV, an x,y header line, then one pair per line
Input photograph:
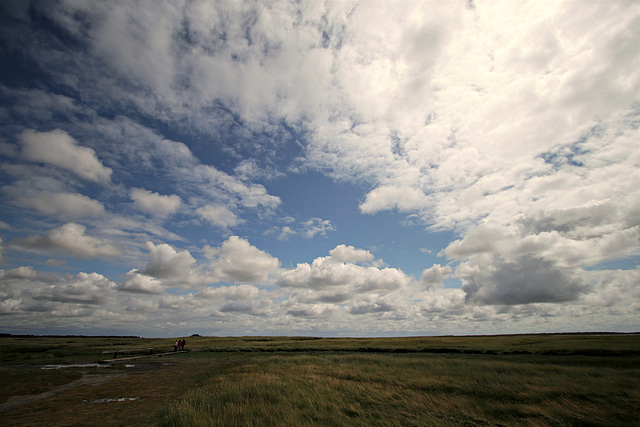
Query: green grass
x,y
385,389
27,381
536,380
571,344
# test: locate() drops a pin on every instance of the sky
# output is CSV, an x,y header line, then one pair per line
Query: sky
x,y
339,168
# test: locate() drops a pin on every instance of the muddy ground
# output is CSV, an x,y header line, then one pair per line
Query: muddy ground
x,y
113,395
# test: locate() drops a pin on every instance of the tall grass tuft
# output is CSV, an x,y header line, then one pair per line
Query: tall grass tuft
x,y
395,390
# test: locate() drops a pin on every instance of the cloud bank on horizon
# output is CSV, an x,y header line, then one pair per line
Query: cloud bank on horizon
x,y
319,168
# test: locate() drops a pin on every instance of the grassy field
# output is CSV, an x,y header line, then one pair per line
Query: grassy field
x,y
577,379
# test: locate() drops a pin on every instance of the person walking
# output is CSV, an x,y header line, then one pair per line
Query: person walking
x,y
183,343
175,346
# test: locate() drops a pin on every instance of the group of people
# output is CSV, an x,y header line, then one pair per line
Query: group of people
x,y
179,345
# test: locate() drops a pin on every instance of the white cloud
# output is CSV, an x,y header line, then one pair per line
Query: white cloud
x,y
285,232
70,239
63,205
237,260
236,308
23,272
33,297
542,258
477,241
316,226
154,203
141,283
369,307
345,278
59,149
349,254
219,184
167,263
434,275
85,288
234,292
445,304
313,311
218,215
513,125
404,199
308,229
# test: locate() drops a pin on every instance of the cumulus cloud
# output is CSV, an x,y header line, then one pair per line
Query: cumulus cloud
x,y
27,295
404,199
42,191
513,127
218,215
165,262
518,265
84,288
234,292
141,283
70,239
523,280
63,205
59,149
154,203
369,307
235,260
344,253
243,308
313,311
339,277
434,275
477,241
239,261
23,272
444,304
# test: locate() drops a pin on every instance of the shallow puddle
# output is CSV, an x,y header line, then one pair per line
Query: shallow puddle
x,y
115,399
82,365
79,365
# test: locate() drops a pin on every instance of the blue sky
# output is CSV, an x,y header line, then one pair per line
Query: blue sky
x,y
319,168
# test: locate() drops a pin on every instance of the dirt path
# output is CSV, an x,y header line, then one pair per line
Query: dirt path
x,y
87,379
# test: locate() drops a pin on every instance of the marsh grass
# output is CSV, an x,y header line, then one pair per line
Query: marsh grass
x,y
384,389
577,379
32,380
53,350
